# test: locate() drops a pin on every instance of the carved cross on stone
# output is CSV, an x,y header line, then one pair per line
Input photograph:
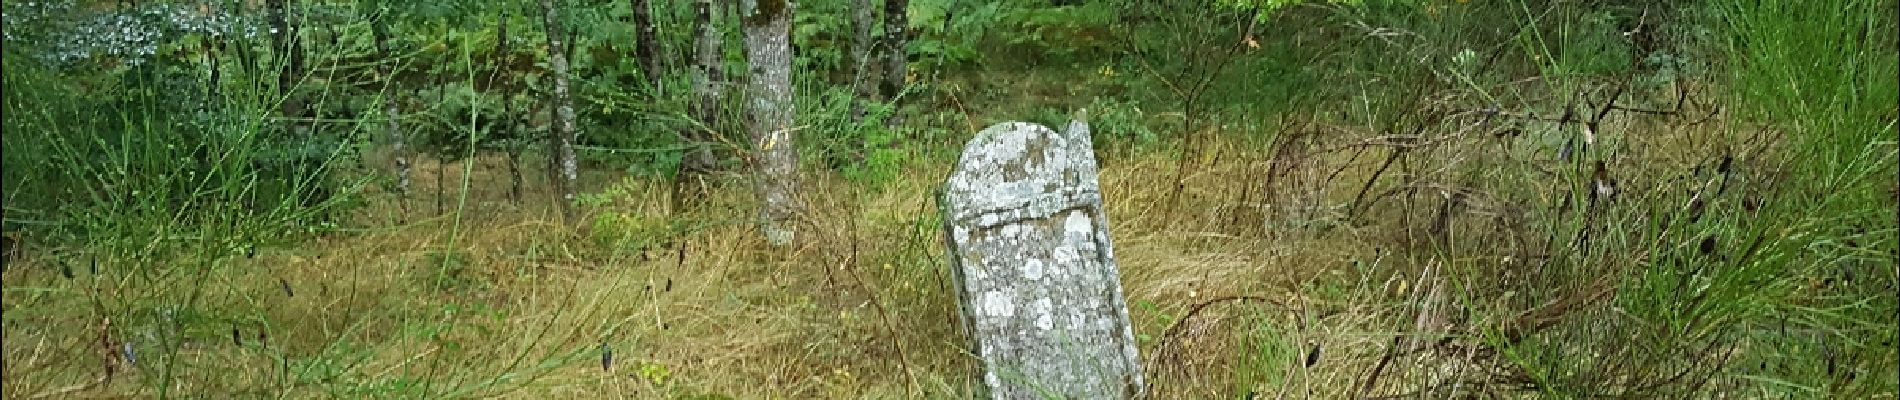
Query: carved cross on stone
x,y
1040,294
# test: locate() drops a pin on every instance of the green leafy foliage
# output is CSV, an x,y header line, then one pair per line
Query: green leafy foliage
x,y
950,32
1119,122
1064,32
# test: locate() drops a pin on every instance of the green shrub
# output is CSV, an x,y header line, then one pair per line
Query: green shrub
x,y
1119,123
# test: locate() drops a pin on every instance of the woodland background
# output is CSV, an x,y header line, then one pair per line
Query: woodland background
x,y
560,198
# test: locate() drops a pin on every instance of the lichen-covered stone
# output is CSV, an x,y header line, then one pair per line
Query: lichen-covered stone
x,y
1040,293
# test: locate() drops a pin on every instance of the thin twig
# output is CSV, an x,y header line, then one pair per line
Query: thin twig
x,y
883,314
1372,379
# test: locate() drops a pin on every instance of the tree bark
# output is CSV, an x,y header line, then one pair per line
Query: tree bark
x,y
863,43
392,117
508,124
441,189
708,68
648,44
769,52
439,146
897,61
279,33
514,174
289,48
562,140
213,49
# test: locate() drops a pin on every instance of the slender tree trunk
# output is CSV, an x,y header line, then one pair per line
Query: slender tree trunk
x,y
294,23
285,39
508,121
896,66
514,173
708,77
441,147
398,145
769,51
213,52
707,72
330,36
863,44
564,125
553,158
441,189
214,49
648,45
279,33
242,48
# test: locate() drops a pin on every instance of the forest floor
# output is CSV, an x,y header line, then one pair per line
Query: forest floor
x,y
499,298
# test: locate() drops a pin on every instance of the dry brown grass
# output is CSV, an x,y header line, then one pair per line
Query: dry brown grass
x,y
692,302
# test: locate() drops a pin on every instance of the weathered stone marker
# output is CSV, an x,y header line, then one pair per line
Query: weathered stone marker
x,y
1040,294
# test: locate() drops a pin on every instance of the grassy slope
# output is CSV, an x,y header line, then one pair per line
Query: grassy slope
x,y
502,300
697,305
724,314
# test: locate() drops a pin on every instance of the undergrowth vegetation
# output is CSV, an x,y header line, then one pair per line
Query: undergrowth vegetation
x,y
1356,199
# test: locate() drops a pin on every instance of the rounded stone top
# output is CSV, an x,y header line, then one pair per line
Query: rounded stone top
x,y
1025,167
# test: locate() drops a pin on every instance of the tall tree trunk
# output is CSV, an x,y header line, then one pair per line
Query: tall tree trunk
x,y
441,189
514,174
648,45
769,51
213,50
279,33
398,145
564,125
508,121
863,44
441,146
289,48
897,40
243,49
708,76
331,38
553,158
